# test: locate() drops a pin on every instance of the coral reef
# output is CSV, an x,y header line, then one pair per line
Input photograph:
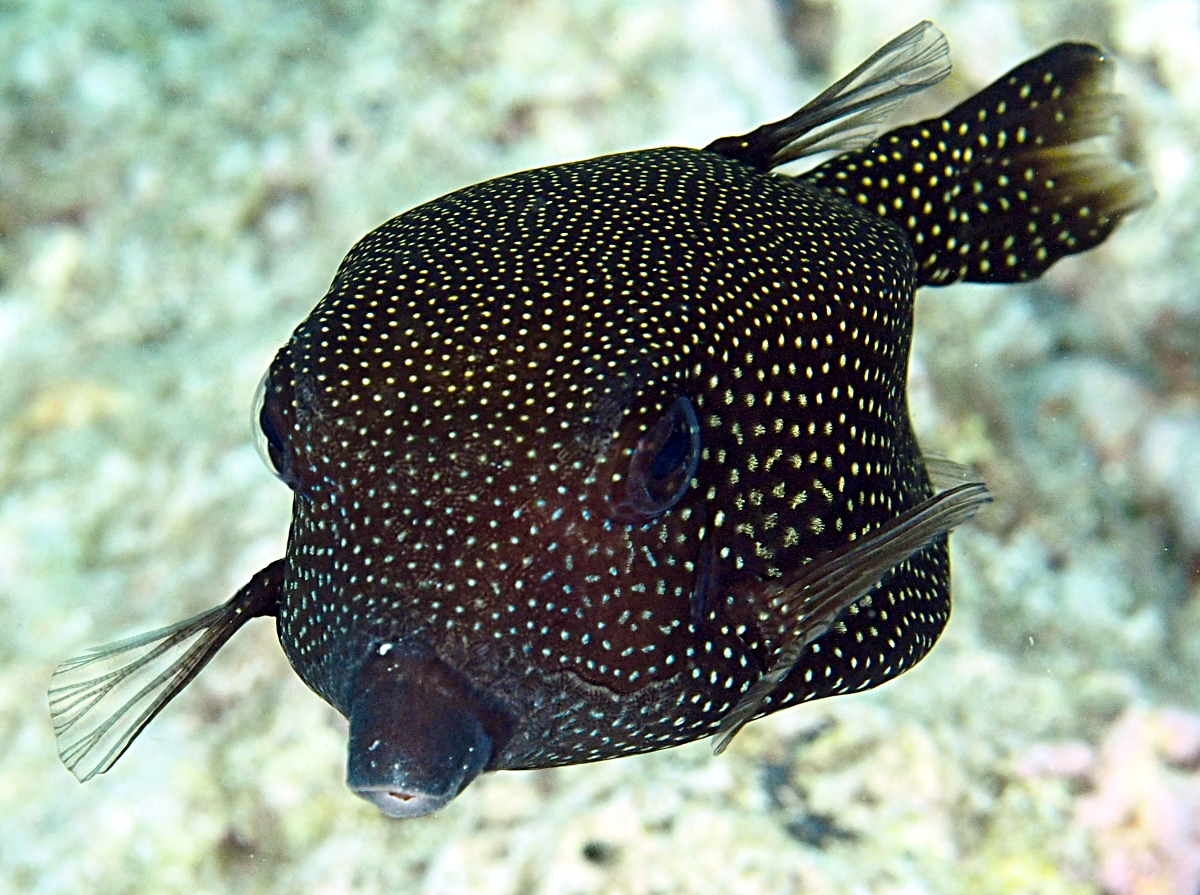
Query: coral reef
x,y
1137,797
180,180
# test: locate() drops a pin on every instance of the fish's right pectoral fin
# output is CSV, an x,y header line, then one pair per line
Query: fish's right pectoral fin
x,y
809,605
100,701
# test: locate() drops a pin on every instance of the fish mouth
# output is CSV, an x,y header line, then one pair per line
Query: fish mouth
x,y
418,732
409,784
401,803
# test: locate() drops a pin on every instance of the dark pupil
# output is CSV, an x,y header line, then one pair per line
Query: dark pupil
x,y
675,452
660,467
269,422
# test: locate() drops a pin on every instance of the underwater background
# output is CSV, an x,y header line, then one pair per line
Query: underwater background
x,y
178,182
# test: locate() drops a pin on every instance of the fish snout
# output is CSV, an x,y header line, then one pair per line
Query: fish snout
x,y
419,734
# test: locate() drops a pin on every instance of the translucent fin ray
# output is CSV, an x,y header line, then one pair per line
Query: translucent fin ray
x,y
945,474
832,583
100,701
851,113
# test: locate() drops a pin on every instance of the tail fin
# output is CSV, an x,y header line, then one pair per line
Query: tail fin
x,y
1014,178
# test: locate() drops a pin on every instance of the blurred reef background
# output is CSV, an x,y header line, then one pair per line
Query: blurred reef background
x,y
178,182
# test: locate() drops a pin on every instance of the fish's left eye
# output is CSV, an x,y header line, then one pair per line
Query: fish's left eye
x,y
660,467
268,433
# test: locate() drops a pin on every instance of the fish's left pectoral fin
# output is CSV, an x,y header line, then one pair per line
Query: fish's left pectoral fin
x,y
829,585
852,112
100,701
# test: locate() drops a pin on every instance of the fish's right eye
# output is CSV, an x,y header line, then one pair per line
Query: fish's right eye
x,y
269,428
660,467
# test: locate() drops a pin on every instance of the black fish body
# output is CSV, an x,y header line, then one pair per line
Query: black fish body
x,y
605,457
512,455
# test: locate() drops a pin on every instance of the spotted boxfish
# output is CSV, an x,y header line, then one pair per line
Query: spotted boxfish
x,y
604,457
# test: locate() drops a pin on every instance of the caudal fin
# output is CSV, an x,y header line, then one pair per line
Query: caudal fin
x,y
1023,173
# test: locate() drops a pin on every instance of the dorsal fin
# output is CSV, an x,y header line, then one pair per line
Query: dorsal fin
x,y
850,113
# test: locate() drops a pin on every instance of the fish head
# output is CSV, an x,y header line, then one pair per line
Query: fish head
x,y
469,515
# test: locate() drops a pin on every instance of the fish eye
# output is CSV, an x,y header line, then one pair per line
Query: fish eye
x,y
268,427
660,467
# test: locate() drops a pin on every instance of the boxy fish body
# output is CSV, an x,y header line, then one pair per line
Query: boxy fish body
x,y
604,457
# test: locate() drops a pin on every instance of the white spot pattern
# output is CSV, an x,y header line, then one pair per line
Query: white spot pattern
x,y
458,404
459,410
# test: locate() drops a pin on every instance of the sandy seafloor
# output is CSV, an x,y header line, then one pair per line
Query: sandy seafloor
x,y
178,182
